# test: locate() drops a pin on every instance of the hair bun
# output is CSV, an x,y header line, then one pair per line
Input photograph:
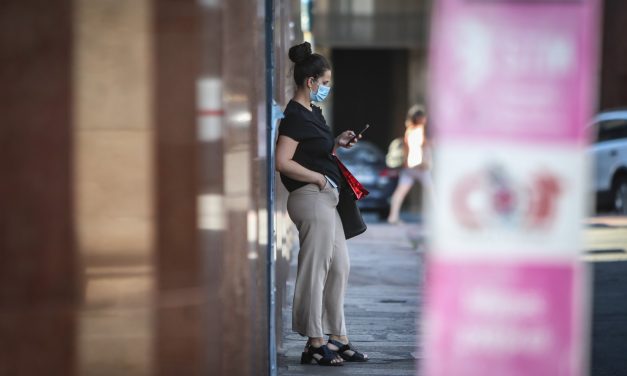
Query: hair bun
x,y
300,52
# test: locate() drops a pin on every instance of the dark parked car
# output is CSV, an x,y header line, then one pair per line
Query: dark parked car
x,y
367,163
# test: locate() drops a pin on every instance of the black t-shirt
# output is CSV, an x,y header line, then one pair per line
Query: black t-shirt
x,y
315,142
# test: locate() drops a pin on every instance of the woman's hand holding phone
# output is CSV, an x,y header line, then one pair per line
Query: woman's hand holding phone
x,y
348,138
358,136
345,139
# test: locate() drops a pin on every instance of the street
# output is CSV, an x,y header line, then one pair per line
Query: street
x,y
384,297
606,242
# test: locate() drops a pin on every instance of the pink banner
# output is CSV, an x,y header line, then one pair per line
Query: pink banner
x,y
512,89
502,319
513,70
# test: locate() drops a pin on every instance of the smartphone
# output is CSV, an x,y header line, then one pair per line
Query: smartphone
x,y
359,134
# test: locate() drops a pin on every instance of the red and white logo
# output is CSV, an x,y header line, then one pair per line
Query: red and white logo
x,y
492,198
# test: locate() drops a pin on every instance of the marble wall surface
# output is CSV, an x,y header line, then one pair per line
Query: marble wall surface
x,y
134,225
40,275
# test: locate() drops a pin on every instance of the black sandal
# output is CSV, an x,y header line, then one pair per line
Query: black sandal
x,y
342,348
326,356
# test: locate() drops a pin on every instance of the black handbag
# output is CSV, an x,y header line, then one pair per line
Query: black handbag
x,y
349,213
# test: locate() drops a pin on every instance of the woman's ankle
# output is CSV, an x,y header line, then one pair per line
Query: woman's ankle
x,y
342,339
316,341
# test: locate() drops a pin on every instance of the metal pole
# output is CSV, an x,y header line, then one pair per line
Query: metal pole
x,y
269,30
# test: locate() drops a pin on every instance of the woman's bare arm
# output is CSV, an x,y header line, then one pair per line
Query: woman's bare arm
x,y
285,149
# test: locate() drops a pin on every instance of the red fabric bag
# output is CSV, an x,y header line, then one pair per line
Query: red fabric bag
x,y
351,218
358,190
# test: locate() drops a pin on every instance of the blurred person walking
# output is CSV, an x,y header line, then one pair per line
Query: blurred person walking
x,y
304,158
416,161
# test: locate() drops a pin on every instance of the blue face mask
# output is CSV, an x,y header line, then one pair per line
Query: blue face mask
x,y
321,94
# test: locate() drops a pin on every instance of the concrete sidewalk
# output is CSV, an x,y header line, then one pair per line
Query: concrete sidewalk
x,y
606,221
382,306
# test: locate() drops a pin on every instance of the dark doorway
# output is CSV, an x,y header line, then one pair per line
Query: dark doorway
x,y
370,86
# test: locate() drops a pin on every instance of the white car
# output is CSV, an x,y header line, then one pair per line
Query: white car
x,y
609,154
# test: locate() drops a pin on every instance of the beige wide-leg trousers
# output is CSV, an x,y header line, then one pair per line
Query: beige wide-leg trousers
x,y
323,263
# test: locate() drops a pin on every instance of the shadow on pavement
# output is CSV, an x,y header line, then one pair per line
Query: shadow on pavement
x,y
609,319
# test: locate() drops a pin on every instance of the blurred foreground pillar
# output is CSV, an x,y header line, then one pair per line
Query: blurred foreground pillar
x,y
211,177
114,185
182,292
38,260
133,140
513,88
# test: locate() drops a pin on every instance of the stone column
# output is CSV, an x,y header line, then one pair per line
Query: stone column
x,y
39,279
114,184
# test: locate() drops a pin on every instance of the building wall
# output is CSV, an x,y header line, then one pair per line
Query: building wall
x,y
134,232
113,184
40,273
212,289
370,23
613,88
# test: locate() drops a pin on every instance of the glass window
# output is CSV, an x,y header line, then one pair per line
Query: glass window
x,y
612,130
